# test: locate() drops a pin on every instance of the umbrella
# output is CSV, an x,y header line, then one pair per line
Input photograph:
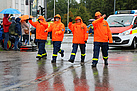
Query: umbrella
x,y
49,19
91,20
25,17
10,11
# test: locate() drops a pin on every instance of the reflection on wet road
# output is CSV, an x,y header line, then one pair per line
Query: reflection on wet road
x,y
21,71
102,83
80,83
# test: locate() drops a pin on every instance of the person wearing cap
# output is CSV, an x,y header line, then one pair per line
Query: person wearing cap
x,y
41,36
102,35
80,36
57,28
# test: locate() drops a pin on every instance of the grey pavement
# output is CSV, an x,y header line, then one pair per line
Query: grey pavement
x,y
21,71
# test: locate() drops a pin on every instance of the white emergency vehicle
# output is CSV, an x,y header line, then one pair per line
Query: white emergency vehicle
x,y
123,25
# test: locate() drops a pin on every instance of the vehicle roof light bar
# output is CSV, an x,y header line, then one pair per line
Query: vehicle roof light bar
x,y
126,12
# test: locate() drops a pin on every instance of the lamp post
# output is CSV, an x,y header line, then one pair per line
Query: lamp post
x,y
54,7
68,15
114,5
45,4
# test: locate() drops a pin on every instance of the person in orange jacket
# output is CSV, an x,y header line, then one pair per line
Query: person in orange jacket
x,y
102,35
80,36
57,28
41,36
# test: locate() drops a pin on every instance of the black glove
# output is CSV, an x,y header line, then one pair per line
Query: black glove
x,y
30,19
70,20
85,41
39,20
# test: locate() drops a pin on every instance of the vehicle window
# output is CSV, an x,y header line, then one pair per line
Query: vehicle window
x,y
119,21
135,23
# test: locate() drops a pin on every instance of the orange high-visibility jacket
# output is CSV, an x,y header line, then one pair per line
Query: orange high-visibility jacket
x,y
79,30
57,29
102,32
40,28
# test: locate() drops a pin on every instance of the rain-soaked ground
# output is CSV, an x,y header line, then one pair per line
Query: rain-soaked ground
x,y
21,71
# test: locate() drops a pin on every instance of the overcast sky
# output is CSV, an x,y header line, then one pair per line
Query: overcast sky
x,y
78,1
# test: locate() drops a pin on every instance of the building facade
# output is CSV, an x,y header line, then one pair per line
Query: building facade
x,y
24,6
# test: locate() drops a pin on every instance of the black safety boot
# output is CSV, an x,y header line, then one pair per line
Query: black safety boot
x,y
105,62
62,54
53,61
45,56
94,65
38,57
82,61
70,60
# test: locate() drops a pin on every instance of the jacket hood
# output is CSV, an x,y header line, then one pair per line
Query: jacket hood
x,y
13,19
97,13
57,15
78,17
6,15
18,19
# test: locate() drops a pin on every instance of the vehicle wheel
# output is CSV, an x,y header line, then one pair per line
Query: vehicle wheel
x,y
133,45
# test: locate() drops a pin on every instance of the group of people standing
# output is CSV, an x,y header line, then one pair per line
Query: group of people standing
x,y
17,28
102,35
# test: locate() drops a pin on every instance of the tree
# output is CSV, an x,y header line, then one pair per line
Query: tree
x,y
87,8
65,18
82,12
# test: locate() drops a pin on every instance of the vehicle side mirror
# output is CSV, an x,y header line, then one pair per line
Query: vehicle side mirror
x,y
135,25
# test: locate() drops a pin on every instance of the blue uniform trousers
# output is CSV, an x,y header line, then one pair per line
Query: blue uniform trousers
x,y
104,49
74,51
41,51
56,49
6,39
16,42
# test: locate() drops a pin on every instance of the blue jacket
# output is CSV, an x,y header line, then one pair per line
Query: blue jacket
x,y
18,26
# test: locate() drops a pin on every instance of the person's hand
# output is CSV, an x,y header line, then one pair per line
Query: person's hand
x,y
85,41
46,30
39,20
70,20
19,36
56,32
9,18
30,19
104,16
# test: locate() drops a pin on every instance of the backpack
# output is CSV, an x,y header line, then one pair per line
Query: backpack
x,y
1,34
12,30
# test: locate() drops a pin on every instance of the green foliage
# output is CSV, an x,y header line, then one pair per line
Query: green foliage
x,y
82,12
64,20
87,8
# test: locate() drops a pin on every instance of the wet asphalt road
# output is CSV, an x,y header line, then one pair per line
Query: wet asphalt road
x,y
21,71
